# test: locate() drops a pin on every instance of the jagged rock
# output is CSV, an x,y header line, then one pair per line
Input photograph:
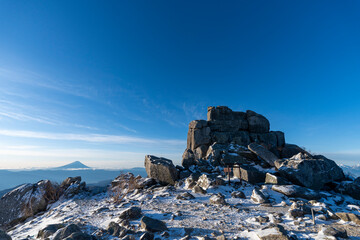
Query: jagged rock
x,y
198,134
221,237
257,122
303,170
204,182
153,225
190,183
65,232
249,174
330,231
280,136
299,209
131,213
185,196
258,197
238,194
241,138
69,181
4,235
161,169
263,153
147,236
144,183
350,188
261,219
349,217
198,189
233,159
74,189
116,230
49,230
80,236
25,201
297,192
188,158
272,179
289,150
217,199
273,233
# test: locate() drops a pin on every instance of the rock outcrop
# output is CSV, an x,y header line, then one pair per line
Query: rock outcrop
x,y
23,202
161,169
224,126
312,172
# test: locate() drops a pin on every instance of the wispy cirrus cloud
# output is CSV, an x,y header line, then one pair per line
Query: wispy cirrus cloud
x,y
94,138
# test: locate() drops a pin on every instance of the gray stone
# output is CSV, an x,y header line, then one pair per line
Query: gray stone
x,y
24,201
147,236
257,122
267,139
337,233
238,194
116,230
49,230
217,199
161,169
263,153
273,233
80,236
272,179
4,235
66,232
204,182
200,151
312,173
197,137
299,209
188,158
241,138
297,191
70,181
290,150
249,174
280,136
185,196
198,189
258,197
350,188
153,225
221,137
131,213
198,124
261,219
349,217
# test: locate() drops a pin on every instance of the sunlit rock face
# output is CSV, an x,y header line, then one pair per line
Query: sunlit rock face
x,y
225,126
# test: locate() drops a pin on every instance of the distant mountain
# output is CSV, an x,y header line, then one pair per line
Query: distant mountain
x,y
352,170
73,165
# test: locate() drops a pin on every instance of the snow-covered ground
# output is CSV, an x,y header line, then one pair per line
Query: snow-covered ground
x,y
238,219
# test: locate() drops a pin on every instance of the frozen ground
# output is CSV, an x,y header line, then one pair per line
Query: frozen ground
x,y
196,217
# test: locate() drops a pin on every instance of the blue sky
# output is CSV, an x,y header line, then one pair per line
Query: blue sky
x,y
108,82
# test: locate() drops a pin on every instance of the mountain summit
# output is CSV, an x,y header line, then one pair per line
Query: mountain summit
x,y
73,165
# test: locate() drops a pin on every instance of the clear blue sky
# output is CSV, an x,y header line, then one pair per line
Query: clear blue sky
x,y
106,82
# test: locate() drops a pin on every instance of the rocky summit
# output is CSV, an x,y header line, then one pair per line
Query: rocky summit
x,y
238,180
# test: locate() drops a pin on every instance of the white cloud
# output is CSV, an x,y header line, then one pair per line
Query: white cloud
x,y
97,138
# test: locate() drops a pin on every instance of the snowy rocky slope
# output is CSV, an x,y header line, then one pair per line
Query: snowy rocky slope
x,y
277,191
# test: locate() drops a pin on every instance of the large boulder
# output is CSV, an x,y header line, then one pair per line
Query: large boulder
x,y
297,192
24,201
263,153
161,169
306,171
350,188
257,123
249,174
152,225
289,150
188,158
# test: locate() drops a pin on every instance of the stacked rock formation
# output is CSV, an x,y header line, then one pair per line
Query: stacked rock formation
x,y
224,126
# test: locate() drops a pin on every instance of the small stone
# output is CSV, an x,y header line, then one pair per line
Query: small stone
x,y
262,219
153,225
185,196
238,194
131,213
217,199
198,189
258,197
